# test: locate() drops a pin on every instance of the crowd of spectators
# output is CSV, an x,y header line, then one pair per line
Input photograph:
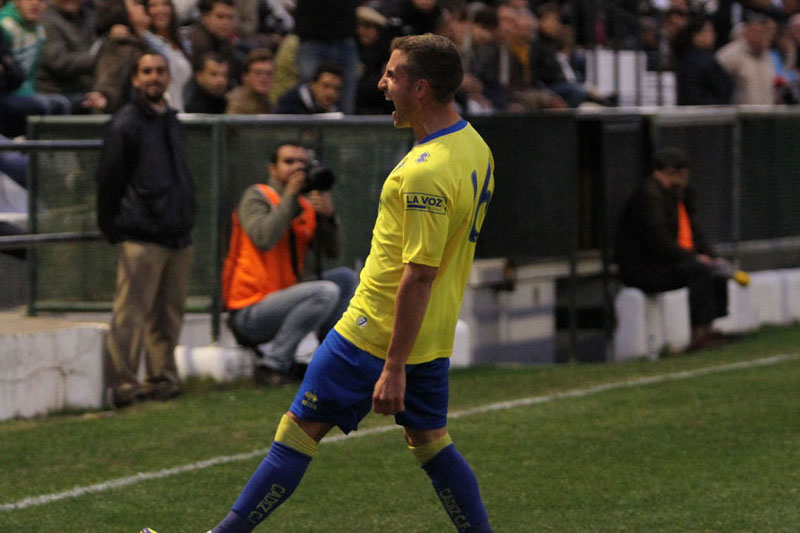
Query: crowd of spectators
x,y
318,56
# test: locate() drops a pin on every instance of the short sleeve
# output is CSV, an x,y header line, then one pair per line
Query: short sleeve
x,y
426,217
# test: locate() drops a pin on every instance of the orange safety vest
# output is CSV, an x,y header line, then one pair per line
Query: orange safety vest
x,y
250,273
685,238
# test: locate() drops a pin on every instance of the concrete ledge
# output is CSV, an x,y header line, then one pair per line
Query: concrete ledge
x,y
507,320
791,293
46,367
766,289
648,323
741,315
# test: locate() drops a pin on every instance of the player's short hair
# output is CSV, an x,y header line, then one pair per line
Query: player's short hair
x,y
328,67
485,17
273,158
257,55
206,6
199,63
148,52
548,8
670,157
433,58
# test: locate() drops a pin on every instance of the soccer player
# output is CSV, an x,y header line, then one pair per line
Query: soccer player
x,y
390,351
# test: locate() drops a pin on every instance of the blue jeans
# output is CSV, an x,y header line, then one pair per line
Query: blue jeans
x,y
284,317
14,165
14,109
344,53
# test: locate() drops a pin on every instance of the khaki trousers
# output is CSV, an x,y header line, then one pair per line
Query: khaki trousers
x,y
152,281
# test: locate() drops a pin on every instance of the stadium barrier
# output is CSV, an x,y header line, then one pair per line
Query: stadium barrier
x,y
650,323
562,178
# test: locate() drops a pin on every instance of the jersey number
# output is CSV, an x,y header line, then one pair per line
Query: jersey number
x,y
482,202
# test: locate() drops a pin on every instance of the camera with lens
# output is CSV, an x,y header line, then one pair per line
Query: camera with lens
x,y
318,177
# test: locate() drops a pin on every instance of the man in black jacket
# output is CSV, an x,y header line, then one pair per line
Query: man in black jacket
x,y
320,95
209,85
145,201
660,246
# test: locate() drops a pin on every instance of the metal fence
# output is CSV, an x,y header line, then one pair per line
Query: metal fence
x,y
561,181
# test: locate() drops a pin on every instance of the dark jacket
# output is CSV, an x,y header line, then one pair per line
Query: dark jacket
x,y
406,19
202,101
11,74
115,63
544,63
145,191
201,41
325,20
299,101
647,237
702,81
67,65
369,99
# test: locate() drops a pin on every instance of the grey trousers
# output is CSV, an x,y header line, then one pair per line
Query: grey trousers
x,y
152,282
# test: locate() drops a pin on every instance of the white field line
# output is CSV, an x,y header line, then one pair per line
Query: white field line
x,y
499,406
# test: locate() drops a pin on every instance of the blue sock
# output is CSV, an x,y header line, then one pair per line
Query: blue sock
x,y
457,488
270,485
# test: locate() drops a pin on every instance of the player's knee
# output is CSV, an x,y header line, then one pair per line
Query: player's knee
x,y
427,447
290,434
315,430
421,437
328,294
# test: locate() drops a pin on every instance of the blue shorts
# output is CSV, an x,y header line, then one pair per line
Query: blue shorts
x,y
338,386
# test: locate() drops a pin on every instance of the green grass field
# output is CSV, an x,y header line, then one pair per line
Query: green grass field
x,y
601,449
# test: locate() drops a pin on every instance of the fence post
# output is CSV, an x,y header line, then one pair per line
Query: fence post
x,y
33,226
218,176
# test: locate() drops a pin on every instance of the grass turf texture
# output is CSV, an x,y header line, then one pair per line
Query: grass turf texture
x,y
715,452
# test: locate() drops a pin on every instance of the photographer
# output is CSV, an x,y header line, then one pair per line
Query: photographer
x,y
278,229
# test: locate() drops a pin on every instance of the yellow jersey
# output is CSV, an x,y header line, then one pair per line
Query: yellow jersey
x,y
431,210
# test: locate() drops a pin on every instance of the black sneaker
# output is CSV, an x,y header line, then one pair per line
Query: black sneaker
x,y
126,395
161,391
268,377
298,371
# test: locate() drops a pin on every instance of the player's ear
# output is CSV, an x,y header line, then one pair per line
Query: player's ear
x,y
422,87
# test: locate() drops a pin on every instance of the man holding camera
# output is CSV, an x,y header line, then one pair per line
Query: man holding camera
x,y
278,229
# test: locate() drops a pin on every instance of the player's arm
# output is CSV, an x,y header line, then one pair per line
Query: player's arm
x,y
411,302
264,223
112,176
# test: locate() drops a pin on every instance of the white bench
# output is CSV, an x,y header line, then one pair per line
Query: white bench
x,y
226,360
791,293
646,324
51,368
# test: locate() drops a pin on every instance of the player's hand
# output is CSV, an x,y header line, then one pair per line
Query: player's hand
x,y
706,260
389,392
95,100
322,202
296,182
119,31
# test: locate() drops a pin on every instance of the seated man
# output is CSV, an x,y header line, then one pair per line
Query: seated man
x,y
660,247
209,85
252,96
68,59
274,228
23,39
320,95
